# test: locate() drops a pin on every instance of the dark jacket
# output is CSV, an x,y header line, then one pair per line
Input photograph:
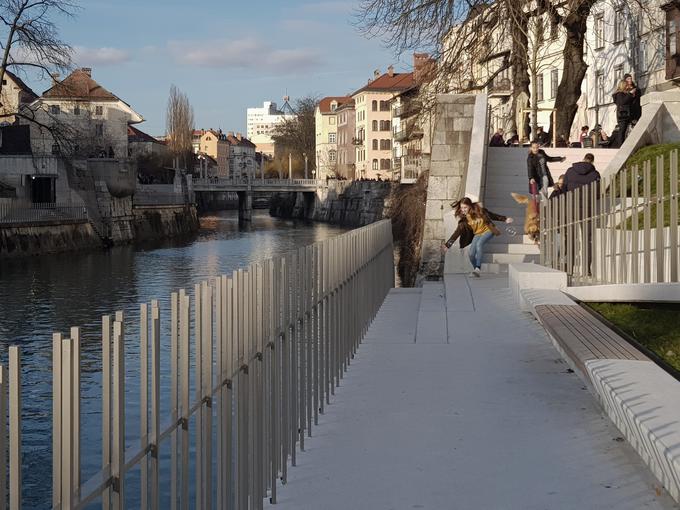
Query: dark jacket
x,y
580,174
543,139
537,167
464,230
497,141
624,105
636,107
556,192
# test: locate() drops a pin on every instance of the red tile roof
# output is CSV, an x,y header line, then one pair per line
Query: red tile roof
x,y
135,135
396,82
325,103
79,85
243,142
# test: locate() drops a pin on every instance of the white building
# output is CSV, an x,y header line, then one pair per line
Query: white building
x,y
261,123
242,156
326,124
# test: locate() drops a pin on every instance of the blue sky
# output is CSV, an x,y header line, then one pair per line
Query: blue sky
x,y
226,55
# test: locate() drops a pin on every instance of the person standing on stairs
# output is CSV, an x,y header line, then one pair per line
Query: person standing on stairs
x,y
475,228
540,178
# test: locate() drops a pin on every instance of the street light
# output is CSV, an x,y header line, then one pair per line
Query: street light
x,y
305,155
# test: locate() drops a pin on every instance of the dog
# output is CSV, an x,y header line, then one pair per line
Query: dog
x,y
532,221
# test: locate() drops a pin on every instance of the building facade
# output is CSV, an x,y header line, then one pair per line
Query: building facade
x,y
243,161
374,140
214,144
345,116
262,122
15,95
326,125
85,119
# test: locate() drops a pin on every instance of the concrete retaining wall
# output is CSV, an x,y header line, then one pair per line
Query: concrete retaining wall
x,y
153,223
23,240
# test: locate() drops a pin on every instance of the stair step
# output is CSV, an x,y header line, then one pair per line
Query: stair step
x,y
512,248
509,258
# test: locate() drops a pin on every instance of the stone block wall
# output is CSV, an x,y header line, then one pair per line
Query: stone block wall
x,y
451,142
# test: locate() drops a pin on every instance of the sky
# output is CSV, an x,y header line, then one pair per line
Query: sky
x,y
227,55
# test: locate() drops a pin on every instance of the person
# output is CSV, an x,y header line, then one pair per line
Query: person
x,y
542,137
562,142
475,228
636,107
584,134
624,98
582,174
497,139
558,188
540,178
513,140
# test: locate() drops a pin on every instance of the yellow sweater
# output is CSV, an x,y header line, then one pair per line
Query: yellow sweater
x,y
478,226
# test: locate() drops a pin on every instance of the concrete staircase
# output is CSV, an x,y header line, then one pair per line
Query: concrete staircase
x,y
506,172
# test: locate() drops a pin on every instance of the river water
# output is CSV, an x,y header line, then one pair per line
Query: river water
x,y
42,295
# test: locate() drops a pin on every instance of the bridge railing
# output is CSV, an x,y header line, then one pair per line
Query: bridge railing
x,y
238,181
624,229
40,213
253,357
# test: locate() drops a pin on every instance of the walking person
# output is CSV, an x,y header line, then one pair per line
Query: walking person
x,y
540,178
624,98
475,228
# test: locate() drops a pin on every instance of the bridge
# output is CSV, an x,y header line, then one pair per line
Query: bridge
x,y
245,187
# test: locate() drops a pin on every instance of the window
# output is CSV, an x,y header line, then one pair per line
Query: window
x,y
553,83
331,121
99,129
385,145
385,164
619,25
618,74
76,110
661,49
384,106
99,110
332,156
374,125
642,56
334,106
540,31
599,86
554,30
331,137
539,88
375,145
55,109
374,105
375,164
599,31
384,125
672,37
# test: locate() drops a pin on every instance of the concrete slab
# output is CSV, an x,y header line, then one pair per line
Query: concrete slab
x,y
533,276
400,312
642,400
432,326
492,420
628,293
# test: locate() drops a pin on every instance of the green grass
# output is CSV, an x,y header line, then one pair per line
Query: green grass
x,y
657,328
650,153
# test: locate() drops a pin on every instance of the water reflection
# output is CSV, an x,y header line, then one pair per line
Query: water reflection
x,y
41,295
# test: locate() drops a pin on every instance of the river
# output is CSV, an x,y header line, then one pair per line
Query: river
x,y
42,295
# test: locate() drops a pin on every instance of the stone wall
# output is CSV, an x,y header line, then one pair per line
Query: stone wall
x,y
451,142
346,203
35,239
153,223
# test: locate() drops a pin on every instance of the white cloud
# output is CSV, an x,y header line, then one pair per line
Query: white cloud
x,y
99,56
247,53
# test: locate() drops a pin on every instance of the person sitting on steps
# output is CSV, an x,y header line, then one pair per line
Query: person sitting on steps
x,y
475,228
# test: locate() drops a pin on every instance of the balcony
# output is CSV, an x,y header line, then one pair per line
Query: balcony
x,y
408,133
407,109
357,141
410,169
500,87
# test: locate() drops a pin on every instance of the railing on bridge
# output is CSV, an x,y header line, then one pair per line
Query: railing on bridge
x,y
260,183
39,213
270,344
622,230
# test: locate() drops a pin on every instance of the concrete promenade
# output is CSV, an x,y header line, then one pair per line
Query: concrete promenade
x,y
457,400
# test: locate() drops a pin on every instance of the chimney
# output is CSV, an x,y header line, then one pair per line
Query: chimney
x,y
87,71
376,74
239,136
390,71
55,78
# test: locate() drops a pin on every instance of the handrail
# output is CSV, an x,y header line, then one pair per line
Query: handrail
x,y
270,344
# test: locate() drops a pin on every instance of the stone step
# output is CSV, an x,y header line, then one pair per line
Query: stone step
x,y
512,248
510,258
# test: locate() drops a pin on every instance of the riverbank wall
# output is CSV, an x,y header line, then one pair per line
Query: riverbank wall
x,y
348,204
46,237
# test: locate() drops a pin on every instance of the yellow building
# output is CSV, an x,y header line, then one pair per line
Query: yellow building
x,y
374,136
327,135
214,144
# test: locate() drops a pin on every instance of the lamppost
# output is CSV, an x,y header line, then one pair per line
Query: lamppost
x,y
290,166
306,166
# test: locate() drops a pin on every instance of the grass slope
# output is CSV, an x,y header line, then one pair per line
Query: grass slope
x,y
656,328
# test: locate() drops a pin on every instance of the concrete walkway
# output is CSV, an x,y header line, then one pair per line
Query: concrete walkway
x,y
486,417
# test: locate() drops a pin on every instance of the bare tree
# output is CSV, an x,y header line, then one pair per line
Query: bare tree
x,y
298,134
179,124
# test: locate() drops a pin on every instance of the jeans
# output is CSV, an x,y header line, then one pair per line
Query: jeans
x,y
476,250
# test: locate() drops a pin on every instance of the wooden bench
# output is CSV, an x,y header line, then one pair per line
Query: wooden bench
x,y
583,337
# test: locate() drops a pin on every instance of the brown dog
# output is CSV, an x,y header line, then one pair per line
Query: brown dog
x,y
532,221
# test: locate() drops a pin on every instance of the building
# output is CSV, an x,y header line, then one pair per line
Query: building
x,y
243,160
142,144
214,144
15,94
345,116
326,126
262,122
373,114
84,119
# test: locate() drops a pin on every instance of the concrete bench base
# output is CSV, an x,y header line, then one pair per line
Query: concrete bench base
x,y
642,400
533,276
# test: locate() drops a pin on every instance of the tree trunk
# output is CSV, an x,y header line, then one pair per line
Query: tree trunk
x,y
574,70
520,72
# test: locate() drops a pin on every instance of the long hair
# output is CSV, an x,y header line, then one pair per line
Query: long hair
x,y
475,211
622,86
